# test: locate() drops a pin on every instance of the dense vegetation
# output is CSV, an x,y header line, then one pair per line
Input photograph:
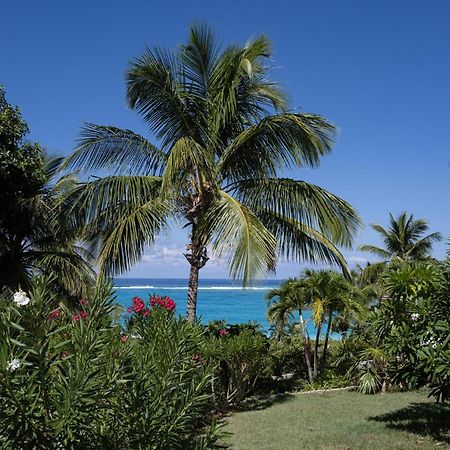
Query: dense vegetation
x,y
78,371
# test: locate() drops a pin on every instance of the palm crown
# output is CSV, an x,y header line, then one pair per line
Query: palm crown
x,y
225,135
404,240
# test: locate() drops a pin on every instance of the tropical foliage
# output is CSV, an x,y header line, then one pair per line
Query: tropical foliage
x,y
225,134
33,236
404,240
73,378
405,341
333,300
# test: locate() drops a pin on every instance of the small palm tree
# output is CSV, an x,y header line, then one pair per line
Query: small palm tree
x,y
405,240
225,135
288,299
328,292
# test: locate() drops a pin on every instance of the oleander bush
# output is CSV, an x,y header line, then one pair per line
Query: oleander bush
x,y
77,379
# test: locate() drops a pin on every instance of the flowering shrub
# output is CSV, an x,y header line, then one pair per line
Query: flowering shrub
x,y
77,380
406,340
164,302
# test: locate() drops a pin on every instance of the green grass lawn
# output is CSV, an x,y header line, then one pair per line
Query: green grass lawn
x,y
343,420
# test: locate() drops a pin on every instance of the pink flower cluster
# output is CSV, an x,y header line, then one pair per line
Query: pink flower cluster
x,y
54,314
80,315
138,307
165,302
156,301
223,332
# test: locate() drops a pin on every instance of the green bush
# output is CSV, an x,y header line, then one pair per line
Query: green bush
x,y
75,380
241,360
287,355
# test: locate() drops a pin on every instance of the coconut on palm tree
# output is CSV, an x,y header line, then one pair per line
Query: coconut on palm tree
x,y
404,240
225,136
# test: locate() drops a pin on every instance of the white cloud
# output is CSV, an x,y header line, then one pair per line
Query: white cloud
x,y
357,259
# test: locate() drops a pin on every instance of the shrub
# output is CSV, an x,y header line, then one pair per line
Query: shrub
x,y
288,355
241,360
73,379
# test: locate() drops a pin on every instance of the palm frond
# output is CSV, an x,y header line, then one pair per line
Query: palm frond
x,y
199,57
239,237
122,151
123,243
298,242
283,140
187,159
302,202
375,250
156,89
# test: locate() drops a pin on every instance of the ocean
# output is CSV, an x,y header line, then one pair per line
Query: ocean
x,y
217,299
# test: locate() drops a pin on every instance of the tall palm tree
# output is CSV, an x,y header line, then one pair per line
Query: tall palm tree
x,y
404,240
225,135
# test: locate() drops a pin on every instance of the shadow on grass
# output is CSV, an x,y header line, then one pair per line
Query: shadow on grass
x,y
264,402
424,419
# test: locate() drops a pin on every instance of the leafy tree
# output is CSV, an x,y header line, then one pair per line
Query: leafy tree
x,y
33,236
405,240
225,134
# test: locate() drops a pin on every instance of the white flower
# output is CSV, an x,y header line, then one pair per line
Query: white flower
x,y
414,316
434,345
13,365
21,299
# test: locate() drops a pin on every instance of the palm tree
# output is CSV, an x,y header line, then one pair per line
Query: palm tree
x,y
225,135
405,240
284,301
331,296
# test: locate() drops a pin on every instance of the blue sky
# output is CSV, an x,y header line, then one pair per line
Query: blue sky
x,y
378,70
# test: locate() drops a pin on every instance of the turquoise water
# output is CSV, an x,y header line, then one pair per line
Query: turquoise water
x,y
217,299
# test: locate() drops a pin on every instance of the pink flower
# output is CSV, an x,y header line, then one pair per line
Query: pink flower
x,y
165,302
146,312
124,338
83,301
54,314
138,305
80,315
223,332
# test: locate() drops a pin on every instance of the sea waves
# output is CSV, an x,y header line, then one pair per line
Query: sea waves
x,y
201,288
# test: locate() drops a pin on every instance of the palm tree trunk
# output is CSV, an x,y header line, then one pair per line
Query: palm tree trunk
x,y
197,257
191,313
307,346
325,345
316,351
